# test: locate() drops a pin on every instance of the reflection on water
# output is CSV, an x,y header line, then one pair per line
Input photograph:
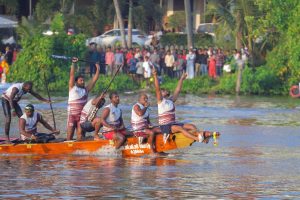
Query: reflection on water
x,y
257,157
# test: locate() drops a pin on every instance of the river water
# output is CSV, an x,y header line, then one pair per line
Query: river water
x,y
257,157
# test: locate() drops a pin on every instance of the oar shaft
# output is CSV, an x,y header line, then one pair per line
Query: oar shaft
x,y
49,97
70,58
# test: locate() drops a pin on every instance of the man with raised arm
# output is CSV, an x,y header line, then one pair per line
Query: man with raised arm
x,y
88,120
78,95
140,121
10,99
112,121
166,112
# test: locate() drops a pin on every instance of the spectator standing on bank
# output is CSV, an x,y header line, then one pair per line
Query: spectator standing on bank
x,y
9,55
169,61
219,62
212,66
93,57
128,57
102,60
190,62
147,65
5,69
203,59
119,60
140,70
109,61
155,60
162,64
197,62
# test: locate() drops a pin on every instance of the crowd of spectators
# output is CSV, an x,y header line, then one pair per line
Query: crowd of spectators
x,y
139,62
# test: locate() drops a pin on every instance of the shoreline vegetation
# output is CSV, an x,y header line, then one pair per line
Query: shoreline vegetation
x,y
275,42
224,85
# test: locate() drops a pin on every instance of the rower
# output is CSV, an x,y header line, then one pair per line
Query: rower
x,y
88,120
10,99
28,126
112,121
166,112
140,121
78,95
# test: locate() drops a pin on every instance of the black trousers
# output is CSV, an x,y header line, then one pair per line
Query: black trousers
x,y
7,113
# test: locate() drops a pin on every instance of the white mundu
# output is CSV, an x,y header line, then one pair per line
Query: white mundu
x,y
139,122
114,117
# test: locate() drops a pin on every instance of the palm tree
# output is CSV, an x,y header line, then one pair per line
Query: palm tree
x,y
130,24
121,24
188,17
236,18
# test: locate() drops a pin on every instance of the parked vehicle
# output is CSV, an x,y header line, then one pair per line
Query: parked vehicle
x,y
112,37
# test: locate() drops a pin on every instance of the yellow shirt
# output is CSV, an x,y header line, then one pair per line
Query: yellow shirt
x,y
5,66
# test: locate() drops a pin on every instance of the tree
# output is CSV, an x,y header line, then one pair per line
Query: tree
x,y
235,17
130,24
188,16
121,24
147,15
177,21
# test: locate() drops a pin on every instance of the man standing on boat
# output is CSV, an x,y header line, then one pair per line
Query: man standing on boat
x,y
88,120
112,121
140,121
78,95
10,99
166,112
28,126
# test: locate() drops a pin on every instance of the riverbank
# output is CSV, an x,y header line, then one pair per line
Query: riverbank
x,y
254,82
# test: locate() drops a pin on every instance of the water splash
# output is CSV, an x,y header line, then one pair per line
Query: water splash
x,y
105,151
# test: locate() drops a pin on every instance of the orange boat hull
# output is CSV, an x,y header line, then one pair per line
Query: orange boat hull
x,y
131,148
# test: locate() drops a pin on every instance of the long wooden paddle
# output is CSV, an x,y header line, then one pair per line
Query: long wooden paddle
x,y
95,110
70,58
47,88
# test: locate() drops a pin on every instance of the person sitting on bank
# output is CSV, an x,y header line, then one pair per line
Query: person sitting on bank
x,y
112,121
140,121
10,99
28,126
166,112
89,122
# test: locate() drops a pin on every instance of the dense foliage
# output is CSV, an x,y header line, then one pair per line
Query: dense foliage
x,y
270,30
35,62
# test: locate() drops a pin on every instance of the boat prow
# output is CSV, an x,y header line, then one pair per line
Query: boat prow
x,y
133,146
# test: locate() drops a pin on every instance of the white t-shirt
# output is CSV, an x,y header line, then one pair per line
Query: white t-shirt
x,y
147,69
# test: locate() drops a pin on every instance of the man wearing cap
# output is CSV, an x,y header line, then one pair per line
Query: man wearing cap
x,y
28,126
78,95
10,99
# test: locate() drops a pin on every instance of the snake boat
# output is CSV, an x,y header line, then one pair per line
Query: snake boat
x,y
132,148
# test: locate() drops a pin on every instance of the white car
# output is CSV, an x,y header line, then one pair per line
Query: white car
x,y
110,38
